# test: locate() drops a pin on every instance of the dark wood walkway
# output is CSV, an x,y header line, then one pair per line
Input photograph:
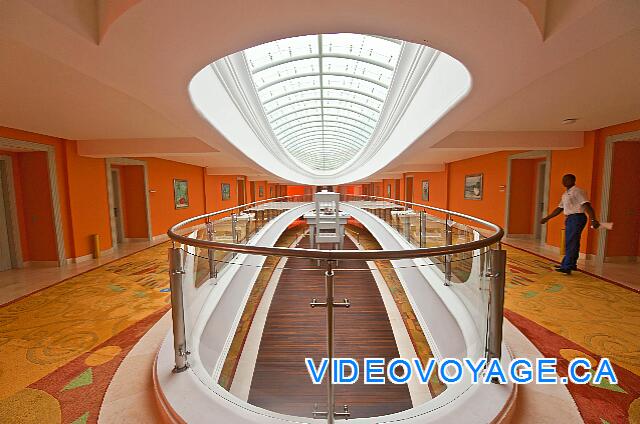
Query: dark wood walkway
x,y
294,330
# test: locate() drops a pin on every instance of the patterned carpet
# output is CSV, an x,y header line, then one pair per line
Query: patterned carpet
x,y
579,315
59,347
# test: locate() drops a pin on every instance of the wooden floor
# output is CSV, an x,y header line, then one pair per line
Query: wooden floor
x,y
294,330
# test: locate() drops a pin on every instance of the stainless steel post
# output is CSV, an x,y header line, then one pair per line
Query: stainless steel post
x,y
407,227
330,304
447,258
234,229
423,228
176,274
211,253
328,276
496,302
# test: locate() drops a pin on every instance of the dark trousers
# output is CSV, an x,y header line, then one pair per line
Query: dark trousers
x,y
573,226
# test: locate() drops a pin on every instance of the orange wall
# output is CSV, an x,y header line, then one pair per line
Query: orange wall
x,y
493,166
214,192
88,201
385,188
624,203
265,192
161,175
294,190
523,193
437,188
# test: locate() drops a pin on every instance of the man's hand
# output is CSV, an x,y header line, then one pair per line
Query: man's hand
x,y
544,220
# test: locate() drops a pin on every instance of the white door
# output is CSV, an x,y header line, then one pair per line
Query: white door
x,y
5,253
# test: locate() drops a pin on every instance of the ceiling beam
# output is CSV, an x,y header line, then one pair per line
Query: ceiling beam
x,y
143,147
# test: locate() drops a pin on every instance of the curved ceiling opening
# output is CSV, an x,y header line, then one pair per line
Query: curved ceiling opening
x,y
328,108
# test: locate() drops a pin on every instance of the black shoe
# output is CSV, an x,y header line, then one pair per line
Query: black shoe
x,y
573,268
564,271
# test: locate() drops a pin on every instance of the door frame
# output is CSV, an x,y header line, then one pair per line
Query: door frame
x,y
537,213
27,146
239,181
112,220
408,189
534,154
11,211
119,222
606,186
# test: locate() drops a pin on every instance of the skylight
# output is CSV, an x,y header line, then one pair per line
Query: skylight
x,y
328,109
323,95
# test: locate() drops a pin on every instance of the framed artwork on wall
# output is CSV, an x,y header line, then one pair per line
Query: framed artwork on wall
x,y
473,187
388,190
226,191
425,190
261,191
180,194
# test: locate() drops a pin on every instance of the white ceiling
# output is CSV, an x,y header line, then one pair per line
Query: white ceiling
x,y
110,71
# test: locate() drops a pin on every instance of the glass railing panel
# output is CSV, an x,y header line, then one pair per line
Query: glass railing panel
x,y
291,330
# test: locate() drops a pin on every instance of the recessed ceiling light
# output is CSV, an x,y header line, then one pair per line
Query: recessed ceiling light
x,y
568,121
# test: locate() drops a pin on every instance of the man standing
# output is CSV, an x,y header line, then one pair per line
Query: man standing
x,y
574,204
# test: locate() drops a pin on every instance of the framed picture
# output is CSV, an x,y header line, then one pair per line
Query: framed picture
x,y
271,191
226,191
181,194
388,190
473,187
261,191
425,190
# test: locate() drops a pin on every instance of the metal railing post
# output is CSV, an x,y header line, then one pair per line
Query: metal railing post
x,y
328,275
176,275
330,305
234,229
447,258
213,273
498,259
423,228
406,224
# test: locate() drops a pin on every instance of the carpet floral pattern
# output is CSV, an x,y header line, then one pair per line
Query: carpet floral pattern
x,y
60,346
579,315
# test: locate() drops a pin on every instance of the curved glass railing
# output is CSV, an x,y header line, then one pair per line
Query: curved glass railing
x,y
439,273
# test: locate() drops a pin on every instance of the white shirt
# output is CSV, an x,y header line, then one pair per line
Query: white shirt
x,y
573,201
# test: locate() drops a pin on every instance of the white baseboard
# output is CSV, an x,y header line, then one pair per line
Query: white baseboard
x,y
88,257
135,239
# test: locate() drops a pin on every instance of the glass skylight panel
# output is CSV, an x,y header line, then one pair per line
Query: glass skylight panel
x,y
291,98
276,51
286,70
323,94
287,86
